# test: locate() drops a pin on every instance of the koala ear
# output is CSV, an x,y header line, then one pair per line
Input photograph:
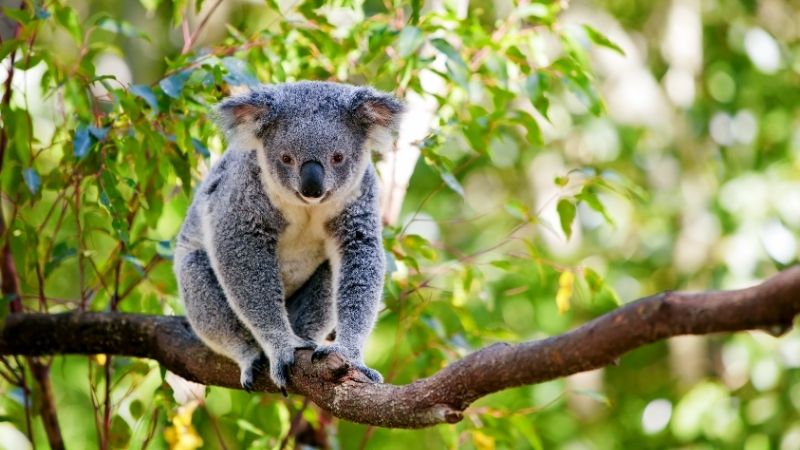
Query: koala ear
x,y
252,110
373,108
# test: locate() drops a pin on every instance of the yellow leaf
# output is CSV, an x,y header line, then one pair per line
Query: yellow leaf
x,y
566,283
181,434
482,441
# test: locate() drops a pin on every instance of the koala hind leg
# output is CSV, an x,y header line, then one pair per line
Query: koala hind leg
x,y
310,308
213,319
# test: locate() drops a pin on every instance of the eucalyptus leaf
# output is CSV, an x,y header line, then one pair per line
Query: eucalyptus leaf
x,y
81,141
145,93
173,85
32,180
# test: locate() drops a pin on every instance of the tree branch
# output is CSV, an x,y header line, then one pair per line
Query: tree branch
x,y
344,392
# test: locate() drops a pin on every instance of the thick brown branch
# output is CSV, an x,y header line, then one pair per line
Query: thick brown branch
x,y
771,306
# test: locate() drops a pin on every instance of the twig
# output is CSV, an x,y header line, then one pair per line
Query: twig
x,y
294,424
41,373
188,42
151,432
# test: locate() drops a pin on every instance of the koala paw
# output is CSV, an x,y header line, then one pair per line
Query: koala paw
x,y
250,372
324,350
372,374
282,360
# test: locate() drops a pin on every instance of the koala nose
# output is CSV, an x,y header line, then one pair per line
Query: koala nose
x,y
311,178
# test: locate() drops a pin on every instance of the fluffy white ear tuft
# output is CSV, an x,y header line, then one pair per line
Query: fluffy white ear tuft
x,y
373,108
249,112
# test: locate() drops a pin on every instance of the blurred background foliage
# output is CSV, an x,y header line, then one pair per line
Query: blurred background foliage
x,y
564,157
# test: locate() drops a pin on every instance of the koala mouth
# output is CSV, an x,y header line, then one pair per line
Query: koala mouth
x,y
312,201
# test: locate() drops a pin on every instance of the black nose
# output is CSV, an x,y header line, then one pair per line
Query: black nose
x,y
311,177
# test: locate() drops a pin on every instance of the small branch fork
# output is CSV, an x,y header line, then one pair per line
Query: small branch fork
x,y
336,387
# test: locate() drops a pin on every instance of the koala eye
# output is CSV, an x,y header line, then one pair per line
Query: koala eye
x,y
286,158
337,158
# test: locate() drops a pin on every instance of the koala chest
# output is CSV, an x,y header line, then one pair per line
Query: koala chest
x,y
301,249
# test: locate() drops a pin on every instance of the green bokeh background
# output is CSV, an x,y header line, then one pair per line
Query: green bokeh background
x,y
657,149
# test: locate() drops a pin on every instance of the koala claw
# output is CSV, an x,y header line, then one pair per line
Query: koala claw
x,y
323,351
246,379
249,374
280,368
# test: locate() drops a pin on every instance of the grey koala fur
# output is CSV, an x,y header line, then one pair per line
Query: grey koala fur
x,y
264,270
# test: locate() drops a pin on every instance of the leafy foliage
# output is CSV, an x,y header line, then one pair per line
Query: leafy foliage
x,y
535,205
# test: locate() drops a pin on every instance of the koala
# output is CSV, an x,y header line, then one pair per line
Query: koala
x,y
281,245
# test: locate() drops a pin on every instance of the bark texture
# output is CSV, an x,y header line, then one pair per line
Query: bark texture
x,y
441,398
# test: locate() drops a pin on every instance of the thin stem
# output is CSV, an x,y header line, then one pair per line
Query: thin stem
x,y
215,426
41,372
79,231
293,426
367,436
187,44
151,432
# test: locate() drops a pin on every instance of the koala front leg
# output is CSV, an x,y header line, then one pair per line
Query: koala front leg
x,y
358,265
245,261
212,318
311,307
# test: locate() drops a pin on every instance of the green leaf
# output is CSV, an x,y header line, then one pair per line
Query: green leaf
x,y
524,426
582,87
451,182
448,50
536,86
200,148
60,252
518,209
566,215
121,27
601,40
502,264
594,395
17,14
150,5
112,199
589,196
247,426
239,74
409,41
532,128
594,280
419,245
537,10
137,264
416,5
68,18
9,46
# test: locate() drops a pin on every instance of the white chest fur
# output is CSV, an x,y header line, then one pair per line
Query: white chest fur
x,y
301,246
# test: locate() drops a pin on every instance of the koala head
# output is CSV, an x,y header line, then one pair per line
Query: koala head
x,y
313,138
